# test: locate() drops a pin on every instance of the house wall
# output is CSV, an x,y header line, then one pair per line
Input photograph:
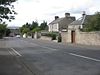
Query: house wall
x,y
54,27
50,27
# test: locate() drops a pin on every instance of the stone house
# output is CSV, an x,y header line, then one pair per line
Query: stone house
x,y
60,24
74,35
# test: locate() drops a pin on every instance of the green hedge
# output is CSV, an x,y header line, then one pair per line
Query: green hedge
x,y
50,34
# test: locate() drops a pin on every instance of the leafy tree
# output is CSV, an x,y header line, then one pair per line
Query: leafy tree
x,y
7,10
2,30
21,29
27,25
34,25
44,26
25,30
93,23
7,32
36,30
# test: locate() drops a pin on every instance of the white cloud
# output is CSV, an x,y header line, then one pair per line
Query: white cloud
x,y
30,10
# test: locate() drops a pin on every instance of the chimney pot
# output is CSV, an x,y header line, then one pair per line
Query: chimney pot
x,y
84,13
56,17
67,14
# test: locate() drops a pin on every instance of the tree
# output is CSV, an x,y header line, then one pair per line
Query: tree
x,y
44,26
34,25
93,23
7,32
7,10
27,25
2,30
25,30
36,30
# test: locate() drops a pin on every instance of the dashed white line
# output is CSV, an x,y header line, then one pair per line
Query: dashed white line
x,y
89,58
16,52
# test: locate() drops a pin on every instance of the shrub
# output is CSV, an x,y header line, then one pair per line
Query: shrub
x,y
59,38
50,34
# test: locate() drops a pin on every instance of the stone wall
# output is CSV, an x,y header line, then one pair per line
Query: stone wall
x,y
46,38
64,36
37,35
86,38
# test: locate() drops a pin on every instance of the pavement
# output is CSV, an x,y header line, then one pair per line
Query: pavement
x,y
20,56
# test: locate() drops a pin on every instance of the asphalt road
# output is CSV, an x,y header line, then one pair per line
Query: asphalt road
x,y
37,57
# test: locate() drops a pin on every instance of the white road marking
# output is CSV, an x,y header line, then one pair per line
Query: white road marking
x,y
89,58
16,52
10,52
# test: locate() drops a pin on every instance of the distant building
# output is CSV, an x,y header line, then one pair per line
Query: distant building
x,y
14,31
61,23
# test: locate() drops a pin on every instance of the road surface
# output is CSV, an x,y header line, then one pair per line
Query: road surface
x,y
20,56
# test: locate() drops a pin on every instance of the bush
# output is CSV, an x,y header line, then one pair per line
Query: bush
x,y
59,38
53,36
2,30
50,34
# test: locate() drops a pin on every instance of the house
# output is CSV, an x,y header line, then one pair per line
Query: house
x,y
74,35
60,24
79,23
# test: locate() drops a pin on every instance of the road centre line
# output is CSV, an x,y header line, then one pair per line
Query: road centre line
x,y
16,52
89,58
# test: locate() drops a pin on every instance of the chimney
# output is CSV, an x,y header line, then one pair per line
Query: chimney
x,y
84,13
67,14
56,17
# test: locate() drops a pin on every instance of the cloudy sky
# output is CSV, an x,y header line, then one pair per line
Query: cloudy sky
x,y
39,10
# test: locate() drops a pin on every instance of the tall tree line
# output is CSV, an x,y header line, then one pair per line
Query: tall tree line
x,y
33,27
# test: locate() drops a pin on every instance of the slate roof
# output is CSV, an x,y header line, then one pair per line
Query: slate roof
x,y
82,20
60,19
56,21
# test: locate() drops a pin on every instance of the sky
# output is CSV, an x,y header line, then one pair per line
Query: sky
x,y
40,10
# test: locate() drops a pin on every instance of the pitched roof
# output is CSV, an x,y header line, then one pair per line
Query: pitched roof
x,y
56,21
82,20
77,22
60,19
